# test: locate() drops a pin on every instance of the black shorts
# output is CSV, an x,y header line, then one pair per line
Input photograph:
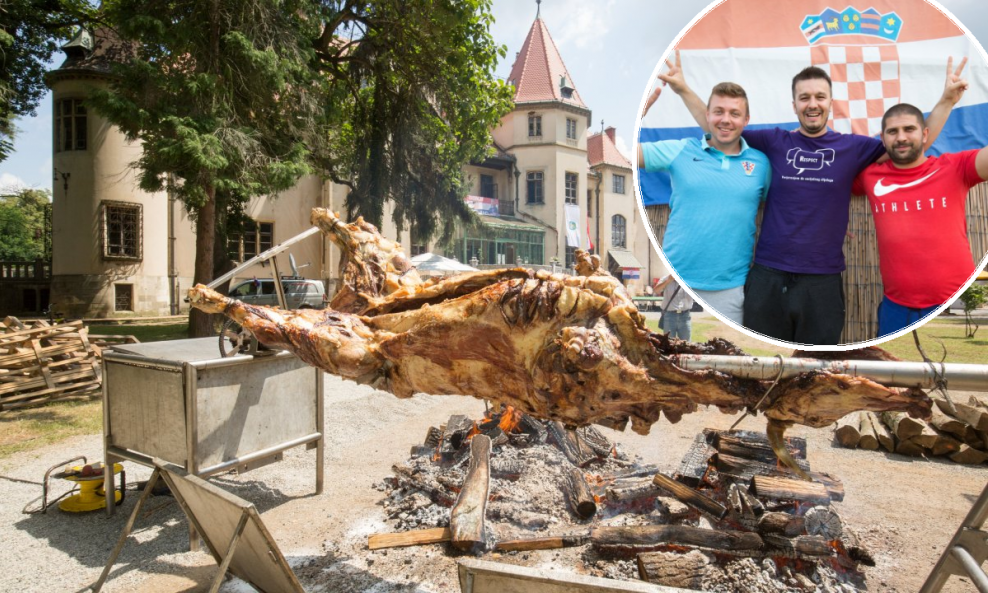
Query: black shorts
x,y
798,308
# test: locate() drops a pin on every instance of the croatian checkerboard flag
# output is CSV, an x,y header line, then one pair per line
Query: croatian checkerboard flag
x,y
877,52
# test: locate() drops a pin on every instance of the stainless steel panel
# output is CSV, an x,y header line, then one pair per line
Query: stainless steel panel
x,y
146,410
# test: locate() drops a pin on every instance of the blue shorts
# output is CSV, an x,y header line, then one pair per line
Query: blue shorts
x,y
892,316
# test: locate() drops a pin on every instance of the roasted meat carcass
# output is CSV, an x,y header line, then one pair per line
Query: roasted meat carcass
x,y
568,348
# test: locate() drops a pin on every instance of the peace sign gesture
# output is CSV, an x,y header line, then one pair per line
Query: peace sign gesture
x,y
954,86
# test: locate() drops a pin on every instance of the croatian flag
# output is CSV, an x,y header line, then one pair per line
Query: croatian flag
x,y
877,52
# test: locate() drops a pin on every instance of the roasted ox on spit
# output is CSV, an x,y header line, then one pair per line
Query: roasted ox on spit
x,y
568,348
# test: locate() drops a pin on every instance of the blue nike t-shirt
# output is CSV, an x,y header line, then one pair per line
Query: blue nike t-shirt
x,y
711,230
806,213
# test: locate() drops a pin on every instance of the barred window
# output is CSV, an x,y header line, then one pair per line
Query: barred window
x,y
619,184
535,190
570,256
252,242
534,125
70,125
121,229
571,128
619,230
123,297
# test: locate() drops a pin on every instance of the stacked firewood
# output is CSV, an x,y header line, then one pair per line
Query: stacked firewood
x,y
957,431
42,362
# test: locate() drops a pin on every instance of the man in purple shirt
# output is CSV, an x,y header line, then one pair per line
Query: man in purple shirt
x,y
794,291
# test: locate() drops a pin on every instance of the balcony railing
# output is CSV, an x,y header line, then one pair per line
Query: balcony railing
x,y
24,271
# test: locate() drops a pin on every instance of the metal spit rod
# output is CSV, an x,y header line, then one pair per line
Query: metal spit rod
x,y
965,377
264,256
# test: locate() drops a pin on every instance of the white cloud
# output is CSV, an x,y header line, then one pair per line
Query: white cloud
x,y
11,182
585,21
623,147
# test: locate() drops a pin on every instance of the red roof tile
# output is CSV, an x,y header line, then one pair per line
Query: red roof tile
x,y
539,70
602,151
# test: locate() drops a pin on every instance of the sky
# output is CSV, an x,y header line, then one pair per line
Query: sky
x,y
610,48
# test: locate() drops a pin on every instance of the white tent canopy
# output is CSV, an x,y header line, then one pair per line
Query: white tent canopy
x,y
431,263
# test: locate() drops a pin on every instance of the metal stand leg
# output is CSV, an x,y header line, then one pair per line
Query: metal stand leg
x,y
229,553
123,536
966,552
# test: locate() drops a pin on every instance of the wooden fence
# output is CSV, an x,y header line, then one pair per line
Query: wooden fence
x,y
862,279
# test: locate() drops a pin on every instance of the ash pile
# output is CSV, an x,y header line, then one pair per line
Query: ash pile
x,y
730,518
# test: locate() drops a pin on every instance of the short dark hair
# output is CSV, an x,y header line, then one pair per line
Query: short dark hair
x,y
730,89
809,73
904,109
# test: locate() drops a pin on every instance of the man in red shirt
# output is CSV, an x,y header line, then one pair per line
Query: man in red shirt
x,y
919,207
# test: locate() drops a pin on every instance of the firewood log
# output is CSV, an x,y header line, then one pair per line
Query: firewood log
x,y
823,521
578,494
968,455
947,423
846,432
653,537
690,496
672,569
638,490
945,445
903,426
884,434
778,488
908,447
552,542
976,416
869,438
466,519
781,523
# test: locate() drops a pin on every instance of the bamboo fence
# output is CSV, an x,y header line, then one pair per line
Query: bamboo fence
x,y
862,279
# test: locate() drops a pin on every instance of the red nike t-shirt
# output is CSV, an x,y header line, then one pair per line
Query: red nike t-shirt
x,y
920,218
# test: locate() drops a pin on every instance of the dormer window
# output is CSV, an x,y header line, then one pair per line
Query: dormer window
x,y
565,89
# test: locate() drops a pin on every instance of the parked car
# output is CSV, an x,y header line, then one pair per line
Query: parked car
x,y
300,293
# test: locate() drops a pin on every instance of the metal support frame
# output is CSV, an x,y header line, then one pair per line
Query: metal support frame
x,y
966,552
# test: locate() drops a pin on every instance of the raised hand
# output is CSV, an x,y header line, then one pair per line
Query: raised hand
x,y
954,86
674,76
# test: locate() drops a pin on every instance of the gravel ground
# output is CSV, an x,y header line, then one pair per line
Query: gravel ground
x,y
904,510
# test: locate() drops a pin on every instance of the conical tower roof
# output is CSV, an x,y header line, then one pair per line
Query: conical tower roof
x,y
539,73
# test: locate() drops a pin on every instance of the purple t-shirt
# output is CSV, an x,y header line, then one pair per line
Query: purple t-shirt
x,y
806,211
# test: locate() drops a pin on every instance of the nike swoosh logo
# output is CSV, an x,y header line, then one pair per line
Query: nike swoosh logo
x,y
881,190
696,159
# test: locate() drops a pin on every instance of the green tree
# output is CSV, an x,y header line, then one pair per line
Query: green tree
x,y
29,35
412,98
22,224
223,98
975,297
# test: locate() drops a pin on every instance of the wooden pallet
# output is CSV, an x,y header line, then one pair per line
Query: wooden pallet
x,y
41,363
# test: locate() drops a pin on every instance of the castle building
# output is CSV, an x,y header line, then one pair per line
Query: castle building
x,y
550,188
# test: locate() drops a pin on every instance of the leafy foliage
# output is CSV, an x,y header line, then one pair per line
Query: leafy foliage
x,y
975,297
22,221
29,35
412,98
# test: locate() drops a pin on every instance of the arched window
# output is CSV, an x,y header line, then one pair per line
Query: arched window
x,y
619,231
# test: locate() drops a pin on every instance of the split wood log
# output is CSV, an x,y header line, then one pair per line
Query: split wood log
x,y
600,445
949,424
626,494
976,416
653,537
551,542
908,447
846,432
534,428
882,432
507,469
737,446
745,469
779,488
869,438
457,428
422,451
968,455
672,569
781,523
928,438
903,426
436,535
673,509
690,496
433,437
567,442
803,546
578,494
641,472
466,519
944,444
437,492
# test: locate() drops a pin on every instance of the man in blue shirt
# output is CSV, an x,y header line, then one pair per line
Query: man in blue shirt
x,y
718,182
794,291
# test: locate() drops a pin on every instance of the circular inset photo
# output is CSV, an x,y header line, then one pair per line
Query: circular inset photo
x,y
816,176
